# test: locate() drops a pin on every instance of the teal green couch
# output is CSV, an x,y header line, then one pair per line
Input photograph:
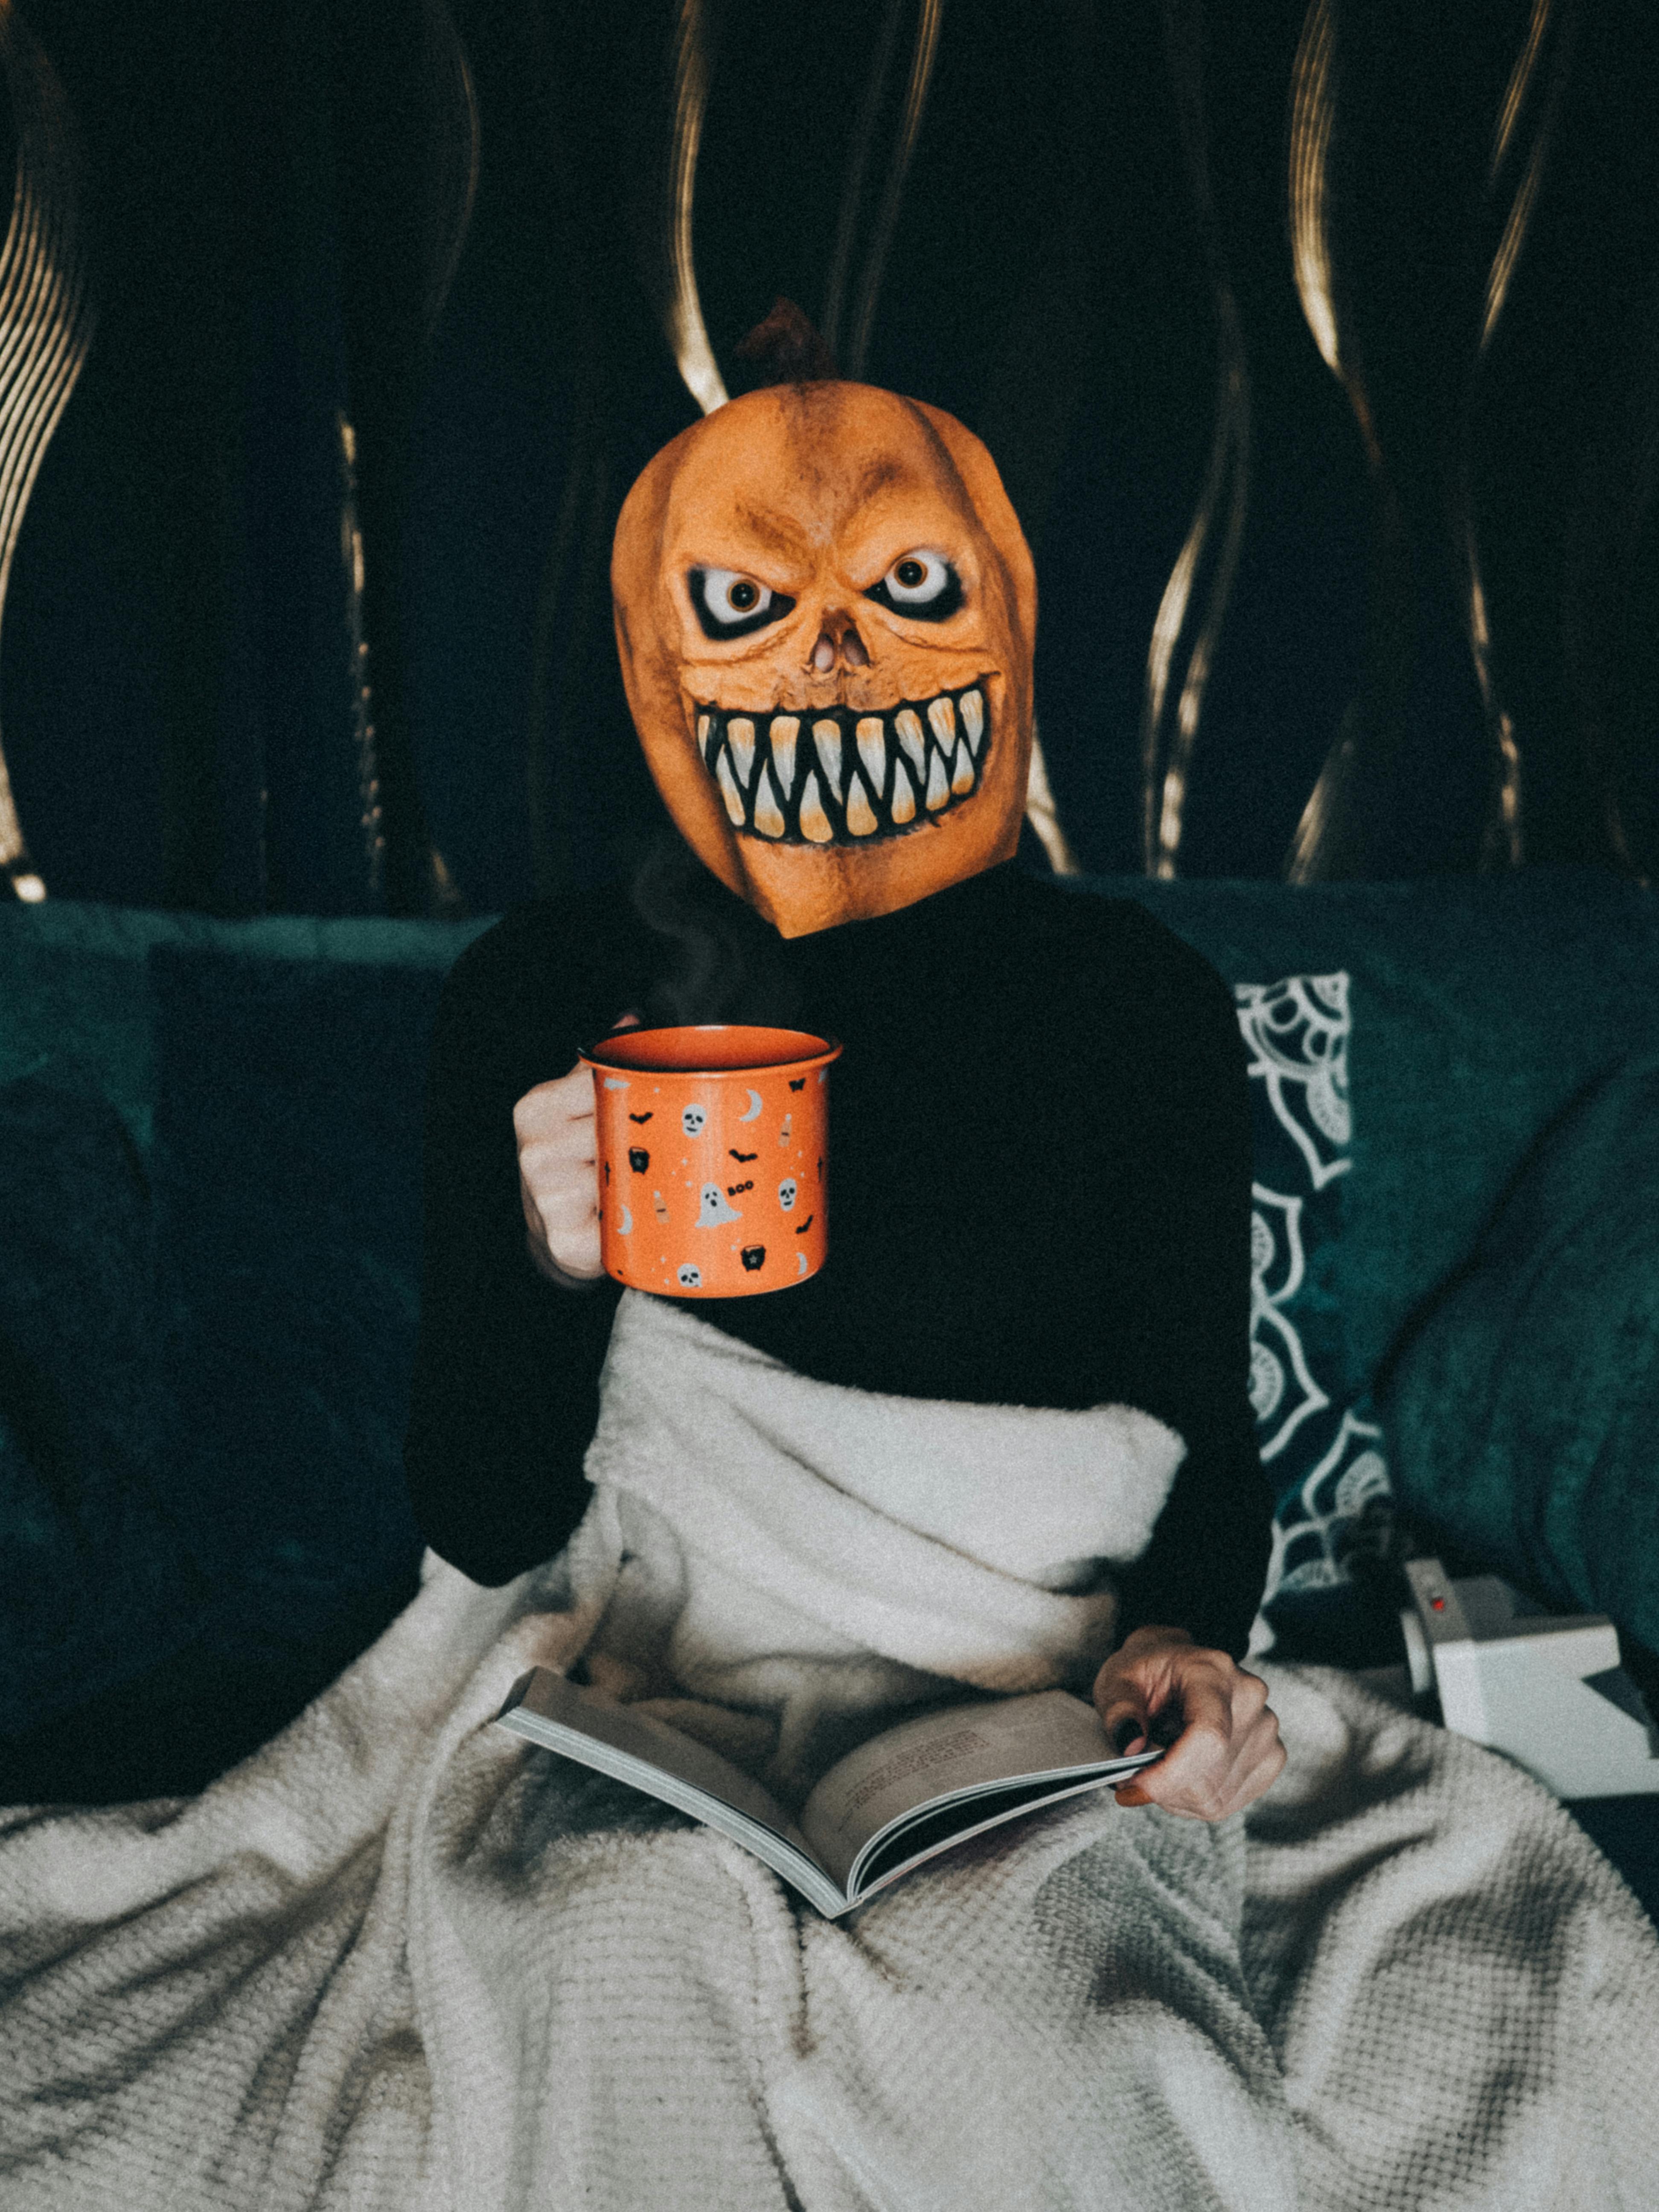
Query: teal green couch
x,y
209,1250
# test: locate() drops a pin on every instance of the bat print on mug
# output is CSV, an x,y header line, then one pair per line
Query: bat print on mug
x,y
727,1089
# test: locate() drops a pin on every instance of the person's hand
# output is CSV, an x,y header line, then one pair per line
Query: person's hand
x,y
558,1174
1159,1687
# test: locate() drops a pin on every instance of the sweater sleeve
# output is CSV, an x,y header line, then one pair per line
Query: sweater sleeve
x,y
1190,1328
505,1394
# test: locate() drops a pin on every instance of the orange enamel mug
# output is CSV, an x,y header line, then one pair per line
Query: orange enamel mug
x,y
712,1150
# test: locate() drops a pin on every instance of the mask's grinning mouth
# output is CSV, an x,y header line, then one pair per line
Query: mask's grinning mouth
x,y
837,776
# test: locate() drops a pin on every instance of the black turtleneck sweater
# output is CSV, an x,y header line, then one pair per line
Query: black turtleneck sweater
x,y
1039,1195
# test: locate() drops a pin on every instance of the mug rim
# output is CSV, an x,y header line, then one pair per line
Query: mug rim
x,y
819,1050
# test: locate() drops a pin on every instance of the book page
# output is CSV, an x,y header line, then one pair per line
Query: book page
x,y
647,1754
1046,1734
927,1834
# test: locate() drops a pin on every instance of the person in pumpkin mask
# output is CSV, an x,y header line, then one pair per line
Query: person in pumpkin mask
x,y
1041,1176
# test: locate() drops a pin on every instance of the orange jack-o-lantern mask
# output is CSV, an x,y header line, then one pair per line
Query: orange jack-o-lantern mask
x,y
825,611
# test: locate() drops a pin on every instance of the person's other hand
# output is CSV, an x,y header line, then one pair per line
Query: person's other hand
x,y
558,1173
1222,1735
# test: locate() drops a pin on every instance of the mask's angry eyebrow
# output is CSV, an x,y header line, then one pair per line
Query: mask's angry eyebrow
x,y
877,476
776,535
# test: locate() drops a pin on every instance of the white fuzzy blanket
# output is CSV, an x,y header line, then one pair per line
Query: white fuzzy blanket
x,y
400,1959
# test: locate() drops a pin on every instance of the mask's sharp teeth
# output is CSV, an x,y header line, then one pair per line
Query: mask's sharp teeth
x,y
740,738
785,730
973,719
768,815
962,779
860,817
826,736
943,716
814,822
729,792
705,731
908,723
939,786
904,797
872,751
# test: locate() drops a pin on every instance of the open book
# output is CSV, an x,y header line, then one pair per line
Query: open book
x,y
900,1799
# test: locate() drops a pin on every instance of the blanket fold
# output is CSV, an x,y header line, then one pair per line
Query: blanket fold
x,y
802,1555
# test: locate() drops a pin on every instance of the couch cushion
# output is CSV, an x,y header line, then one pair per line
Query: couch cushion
x,y
286,1177
96,1578
138,1533
1480,1006
75,1001
1523,1407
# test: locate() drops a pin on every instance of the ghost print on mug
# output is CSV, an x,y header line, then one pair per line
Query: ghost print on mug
x,y
713,1143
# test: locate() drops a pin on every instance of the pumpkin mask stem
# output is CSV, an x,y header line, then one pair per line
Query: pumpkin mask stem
x,y
787,349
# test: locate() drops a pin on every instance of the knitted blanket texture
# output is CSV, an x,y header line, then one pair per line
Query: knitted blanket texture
x,y
401,1960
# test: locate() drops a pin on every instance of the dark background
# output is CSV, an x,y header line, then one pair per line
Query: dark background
x,y
1097,187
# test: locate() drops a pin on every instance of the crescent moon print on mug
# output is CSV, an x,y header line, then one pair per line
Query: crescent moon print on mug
x,y
716,1206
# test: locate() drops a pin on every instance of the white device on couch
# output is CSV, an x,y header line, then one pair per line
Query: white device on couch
x,y
1546,1689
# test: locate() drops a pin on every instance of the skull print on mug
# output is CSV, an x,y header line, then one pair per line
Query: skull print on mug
x,y
712,1144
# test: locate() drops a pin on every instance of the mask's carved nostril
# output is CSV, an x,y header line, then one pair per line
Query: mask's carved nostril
x,y
838,637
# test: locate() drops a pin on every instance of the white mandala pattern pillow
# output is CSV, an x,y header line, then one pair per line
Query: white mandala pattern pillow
x,y
1325,1455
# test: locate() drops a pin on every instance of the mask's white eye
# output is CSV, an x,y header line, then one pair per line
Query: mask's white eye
x,y
922,585
728,603
918,579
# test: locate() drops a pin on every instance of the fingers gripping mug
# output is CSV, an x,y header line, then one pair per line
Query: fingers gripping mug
x,y
712,1146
